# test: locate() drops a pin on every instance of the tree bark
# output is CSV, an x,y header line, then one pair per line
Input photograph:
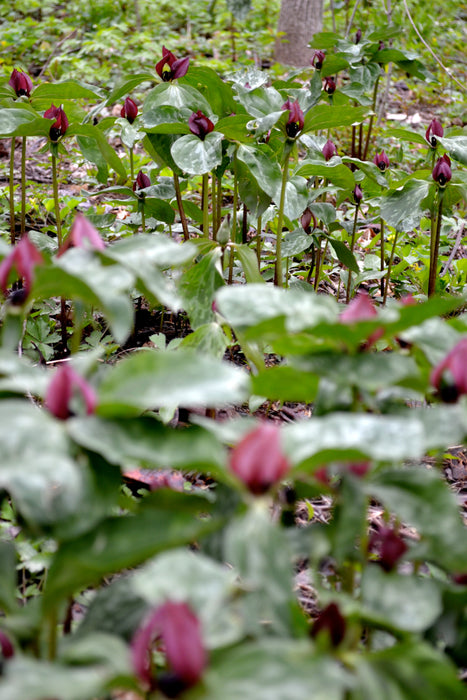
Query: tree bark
x,y
299,20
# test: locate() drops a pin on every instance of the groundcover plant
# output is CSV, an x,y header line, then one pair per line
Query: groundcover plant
x,y
233,376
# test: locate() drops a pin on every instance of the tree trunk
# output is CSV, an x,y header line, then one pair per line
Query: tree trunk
x,y
298,21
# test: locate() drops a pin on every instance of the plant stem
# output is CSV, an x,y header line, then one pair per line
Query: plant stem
x,y
370,125
12,192
56,200
181,211
285,177
143,218
132,166
213,207
219,203
318,272
352,244
381,247
259,226
23,186
435,247
388,276
205,198
52,641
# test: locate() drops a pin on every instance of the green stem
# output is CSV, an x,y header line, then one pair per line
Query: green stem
x,y
213,207
56,200
205,197
78,323
381,247
23,186
143,218
352,244
317,265
434,259
181,211
259,226
370,126
285,177
233,233
132,166
52,641
231,264
388,275
318,272
12,192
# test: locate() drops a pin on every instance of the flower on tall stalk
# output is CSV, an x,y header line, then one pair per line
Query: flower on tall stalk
x,y
258,459
361,309
357,194
61,389
381,160
449,377
129,110
318,59
142,181
434,129
6,647
331,621
358,36
21,83
442,171
23,258
82,235
388,546
170,67
306,218
60,125
180,632
200,125
329,85
296,118
329,150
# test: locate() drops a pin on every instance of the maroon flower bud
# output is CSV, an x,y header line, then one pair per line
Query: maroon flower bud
x,y
82,235
389,546
200,125
358,36
6,647
21,83
435,129
306,218
170,68
60,125
381,160
381,45
442,171
142,181
357,194
321,475
329,85
329,150
318,59
450,376
179,629
129,110
296,118
361,309
23,258
60,392
258,459
359,469
460,579
330,620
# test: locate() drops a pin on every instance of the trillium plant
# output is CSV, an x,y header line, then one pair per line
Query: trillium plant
x,y
233,352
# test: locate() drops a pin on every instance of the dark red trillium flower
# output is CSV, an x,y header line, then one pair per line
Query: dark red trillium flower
x,y
318,59
306,218
200,125
434,129
129,110
381,160
170,67
450,376
258,459
361,309
329,85
6,647
442,171
296,118
23,258
359,469
142,181
180,632
21,83
381,45
460,579
389,546
358,36
60,392
357,194
82,235
330,620
329,150
60,125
